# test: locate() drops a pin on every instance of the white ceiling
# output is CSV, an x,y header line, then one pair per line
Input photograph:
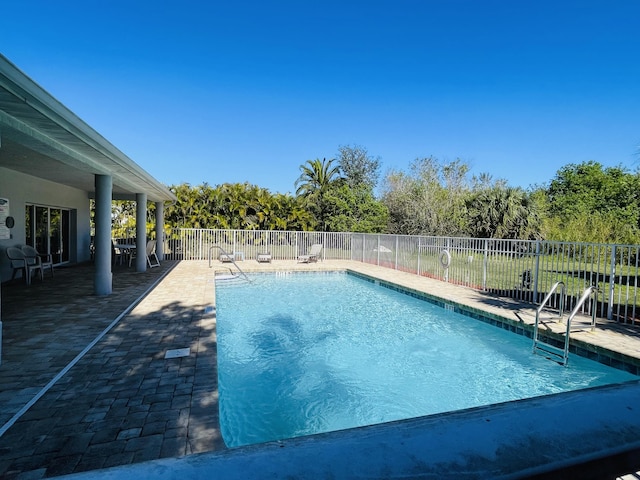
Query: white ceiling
x,y
42,138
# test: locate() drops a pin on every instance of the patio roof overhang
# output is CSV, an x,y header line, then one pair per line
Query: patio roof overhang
x,y
41,137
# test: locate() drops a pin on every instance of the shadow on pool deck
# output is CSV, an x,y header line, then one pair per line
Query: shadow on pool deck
x,y
123,403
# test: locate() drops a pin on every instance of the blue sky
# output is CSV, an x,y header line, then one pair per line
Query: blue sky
x,y
209,91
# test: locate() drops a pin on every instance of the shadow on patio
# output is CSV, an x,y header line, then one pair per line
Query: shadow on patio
x,y
122,402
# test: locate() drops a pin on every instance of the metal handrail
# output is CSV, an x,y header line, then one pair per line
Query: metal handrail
x,y
583,299
230,257
542,305
548,297
565,352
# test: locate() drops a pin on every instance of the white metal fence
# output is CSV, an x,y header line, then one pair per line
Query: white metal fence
x,y
196,244
520,269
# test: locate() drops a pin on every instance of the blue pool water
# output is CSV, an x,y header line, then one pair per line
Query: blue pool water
x,y
307,353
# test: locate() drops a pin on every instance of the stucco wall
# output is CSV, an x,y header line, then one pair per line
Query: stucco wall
x,y
23,189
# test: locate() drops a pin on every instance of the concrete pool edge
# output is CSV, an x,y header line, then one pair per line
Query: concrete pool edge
x,y
534,437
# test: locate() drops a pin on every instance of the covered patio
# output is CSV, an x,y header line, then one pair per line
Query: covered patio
x,y
52,164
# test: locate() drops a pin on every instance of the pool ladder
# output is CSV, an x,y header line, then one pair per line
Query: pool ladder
x,y
557,354
231,257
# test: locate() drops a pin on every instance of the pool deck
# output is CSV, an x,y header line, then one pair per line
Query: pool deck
x,y
85,385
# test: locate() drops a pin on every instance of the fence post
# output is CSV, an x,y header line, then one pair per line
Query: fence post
x,y
324,242
612,281
485,261
378,251
419,254
235,236
396,252
536,272
352,242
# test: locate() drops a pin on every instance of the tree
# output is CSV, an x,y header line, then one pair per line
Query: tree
x,y
499,211
292,215
584,198
235,205
358,167
429,200
123,218
316,176
588,187
355,210
313,184
192,208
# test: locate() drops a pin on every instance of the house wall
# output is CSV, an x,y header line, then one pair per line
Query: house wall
x,y
23,189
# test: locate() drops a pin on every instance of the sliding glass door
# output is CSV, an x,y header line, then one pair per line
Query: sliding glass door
x,y
48,230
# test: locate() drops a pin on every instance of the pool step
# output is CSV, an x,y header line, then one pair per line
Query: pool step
x,y
550,352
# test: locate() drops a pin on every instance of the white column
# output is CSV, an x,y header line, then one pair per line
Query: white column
x,y
141,232
160,230
102,281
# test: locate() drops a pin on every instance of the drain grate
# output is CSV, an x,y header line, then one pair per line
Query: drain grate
x,y
177,353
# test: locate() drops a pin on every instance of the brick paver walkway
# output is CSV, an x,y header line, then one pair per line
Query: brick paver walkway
x,y
122,402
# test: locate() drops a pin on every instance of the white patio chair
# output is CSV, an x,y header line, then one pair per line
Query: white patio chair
x,y
312,255
34,257
20,263
150,252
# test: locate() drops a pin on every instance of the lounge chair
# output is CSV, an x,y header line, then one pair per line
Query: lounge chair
x,y
312,255
235,256
264,257
35,258
227,257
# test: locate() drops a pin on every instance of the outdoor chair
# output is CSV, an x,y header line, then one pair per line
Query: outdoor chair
x,y
264,257
150,252
35,258
19,263
312,255
227,257
118,255
232,257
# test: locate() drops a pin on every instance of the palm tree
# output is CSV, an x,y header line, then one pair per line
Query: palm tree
x,y
503,212
316,176
313,184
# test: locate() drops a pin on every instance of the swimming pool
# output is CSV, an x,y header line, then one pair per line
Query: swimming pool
x,y
313,352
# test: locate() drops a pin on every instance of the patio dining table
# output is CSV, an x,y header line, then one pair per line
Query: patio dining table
x,y
127,249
